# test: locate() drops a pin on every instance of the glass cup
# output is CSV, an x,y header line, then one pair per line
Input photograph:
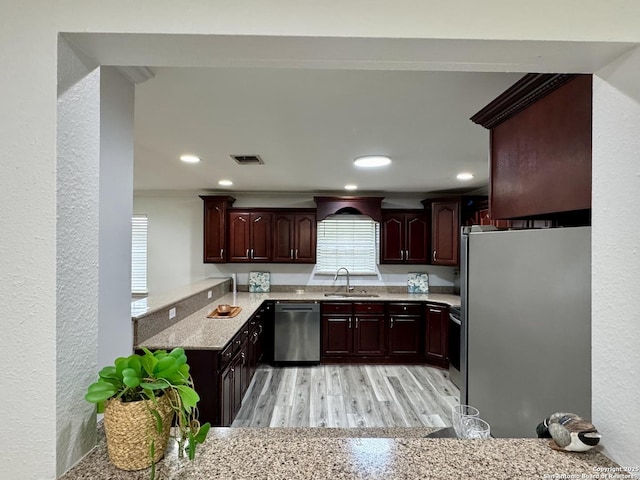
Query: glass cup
x,y
475,428
458,413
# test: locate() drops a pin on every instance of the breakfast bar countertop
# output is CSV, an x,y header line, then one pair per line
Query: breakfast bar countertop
x,y
357,454
197,332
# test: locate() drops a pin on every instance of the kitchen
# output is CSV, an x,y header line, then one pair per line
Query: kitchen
x,y
364,284
37,96
176,216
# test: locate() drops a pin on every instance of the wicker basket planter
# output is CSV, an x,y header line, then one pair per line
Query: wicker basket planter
x,y
130,427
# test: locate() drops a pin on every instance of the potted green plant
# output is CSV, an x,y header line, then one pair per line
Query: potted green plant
x,y
141,396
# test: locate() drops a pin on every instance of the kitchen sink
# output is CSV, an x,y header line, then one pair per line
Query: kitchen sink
x,y
351,295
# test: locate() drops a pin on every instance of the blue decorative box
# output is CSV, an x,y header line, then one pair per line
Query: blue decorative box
x,y
418,283
259,282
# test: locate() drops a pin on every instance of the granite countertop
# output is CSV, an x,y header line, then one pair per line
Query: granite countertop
x,y
324,453
197,332
153,303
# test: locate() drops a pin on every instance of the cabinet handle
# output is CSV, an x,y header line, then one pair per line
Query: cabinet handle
x,y
435,311
401,254
391,326
349,323
357,322
406,254
261,328
237,342
242,355
434,255
247,255
296,253
252,253
221,252
291,254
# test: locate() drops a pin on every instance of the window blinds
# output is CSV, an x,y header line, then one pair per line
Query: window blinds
x,y
349,241
139,254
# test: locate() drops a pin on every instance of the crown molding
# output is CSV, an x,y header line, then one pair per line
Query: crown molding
x,y
529,89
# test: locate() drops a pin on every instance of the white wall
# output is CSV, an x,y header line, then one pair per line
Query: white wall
x,y
616,258
115,334
76,270
175,244
29,260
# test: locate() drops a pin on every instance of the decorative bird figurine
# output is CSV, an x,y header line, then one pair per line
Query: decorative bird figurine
x,y
569,432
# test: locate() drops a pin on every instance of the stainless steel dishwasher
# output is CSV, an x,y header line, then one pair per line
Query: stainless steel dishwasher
x,y
297,332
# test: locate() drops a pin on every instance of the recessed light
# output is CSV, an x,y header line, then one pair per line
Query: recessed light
x,y
189,158
372,161
350,187
464,176
225,183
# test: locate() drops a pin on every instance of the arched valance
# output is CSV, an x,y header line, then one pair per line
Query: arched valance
x,y
370,206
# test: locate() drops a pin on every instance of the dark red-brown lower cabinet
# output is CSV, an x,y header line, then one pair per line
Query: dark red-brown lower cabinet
x,y
233,381
437,335
337,336
227,391
351,330
404,329
368,329
222,377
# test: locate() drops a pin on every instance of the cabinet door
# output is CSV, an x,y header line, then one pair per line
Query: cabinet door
x,y
239,236
337,336
226,396
214,232
260,243
305,238
392,238
283,238
368,335
416,238
237,365
446,233
437,333
404,335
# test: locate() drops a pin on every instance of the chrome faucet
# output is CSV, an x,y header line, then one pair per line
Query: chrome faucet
x,y
349,287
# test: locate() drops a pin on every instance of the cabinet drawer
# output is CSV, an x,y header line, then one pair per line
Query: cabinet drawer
x,y
437,308
226,354
404,309
329,308
364,308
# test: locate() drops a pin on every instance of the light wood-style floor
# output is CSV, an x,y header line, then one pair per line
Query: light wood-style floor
x,y
346,396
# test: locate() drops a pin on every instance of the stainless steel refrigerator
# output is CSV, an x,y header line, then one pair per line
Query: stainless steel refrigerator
x,y
526,325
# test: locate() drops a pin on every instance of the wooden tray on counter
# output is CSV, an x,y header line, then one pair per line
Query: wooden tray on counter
x,y
234,311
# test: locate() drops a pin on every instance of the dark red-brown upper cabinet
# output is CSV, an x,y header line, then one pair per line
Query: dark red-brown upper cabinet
x,y
249,236
214,232
541,149
294,237
445,230
404,237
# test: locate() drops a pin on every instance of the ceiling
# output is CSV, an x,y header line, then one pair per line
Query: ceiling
x,y
309,105
308,125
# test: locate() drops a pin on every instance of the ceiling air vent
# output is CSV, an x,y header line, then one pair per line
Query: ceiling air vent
x,y
247,159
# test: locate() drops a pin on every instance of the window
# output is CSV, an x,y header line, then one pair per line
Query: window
x,y
139,254
349,241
